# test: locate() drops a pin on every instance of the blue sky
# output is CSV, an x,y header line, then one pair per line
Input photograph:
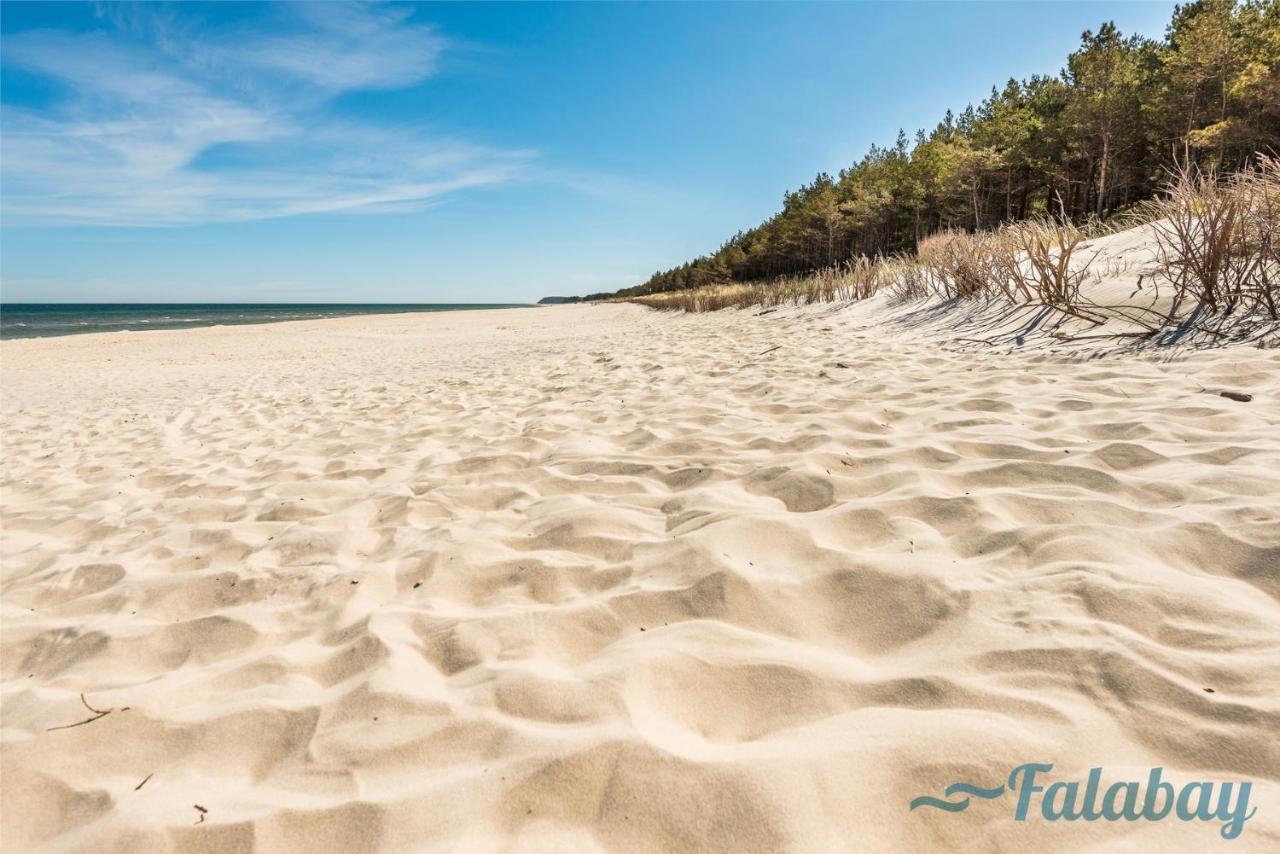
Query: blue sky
x,y
456,153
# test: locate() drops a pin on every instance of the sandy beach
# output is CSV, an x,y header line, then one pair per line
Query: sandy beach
x,y
600,578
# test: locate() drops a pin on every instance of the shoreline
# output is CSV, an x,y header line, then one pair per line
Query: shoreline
x,y
145,325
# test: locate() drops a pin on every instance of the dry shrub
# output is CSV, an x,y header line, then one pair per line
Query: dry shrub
x,y
961,265
1037,260
904,279
1262,186
1217,236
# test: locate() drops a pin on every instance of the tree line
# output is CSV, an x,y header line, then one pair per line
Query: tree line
x,y
1085,144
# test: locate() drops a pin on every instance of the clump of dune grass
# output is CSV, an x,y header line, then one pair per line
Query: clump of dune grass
x,y
862,277
1262,185
1038,260
961,265
708,298
855,279
1217,235
905,280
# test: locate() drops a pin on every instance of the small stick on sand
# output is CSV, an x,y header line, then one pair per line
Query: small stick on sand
x,y
97,715
202,810
144,781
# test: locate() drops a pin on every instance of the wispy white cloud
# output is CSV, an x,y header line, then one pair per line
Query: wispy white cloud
x,y
166,122
347,47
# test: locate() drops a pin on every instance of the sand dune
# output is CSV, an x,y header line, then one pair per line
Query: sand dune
x,y
596,578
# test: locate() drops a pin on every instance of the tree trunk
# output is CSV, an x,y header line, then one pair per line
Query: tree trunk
x,y
1085,190
1008,194
1102,173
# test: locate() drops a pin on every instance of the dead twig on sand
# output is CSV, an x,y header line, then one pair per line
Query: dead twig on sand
x,y
98,714
144,781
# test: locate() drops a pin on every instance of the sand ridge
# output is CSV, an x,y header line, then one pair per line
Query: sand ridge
x,y
596,578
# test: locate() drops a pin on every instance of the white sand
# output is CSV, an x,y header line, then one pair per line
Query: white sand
x,y
598,578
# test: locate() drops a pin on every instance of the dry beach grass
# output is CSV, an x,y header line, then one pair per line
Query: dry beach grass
x,y
600,578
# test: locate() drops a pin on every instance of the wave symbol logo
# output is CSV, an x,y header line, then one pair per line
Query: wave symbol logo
x,y
957,789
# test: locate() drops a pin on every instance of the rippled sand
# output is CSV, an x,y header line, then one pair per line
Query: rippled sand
x,y
597,578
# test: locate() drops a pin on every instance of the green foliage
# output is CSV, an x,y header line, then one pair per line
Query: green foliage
x,y
1079,147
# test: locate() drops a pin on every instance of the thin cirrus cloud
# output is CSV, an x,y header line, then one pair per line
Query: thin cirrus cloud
x,y
162,123
348,47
